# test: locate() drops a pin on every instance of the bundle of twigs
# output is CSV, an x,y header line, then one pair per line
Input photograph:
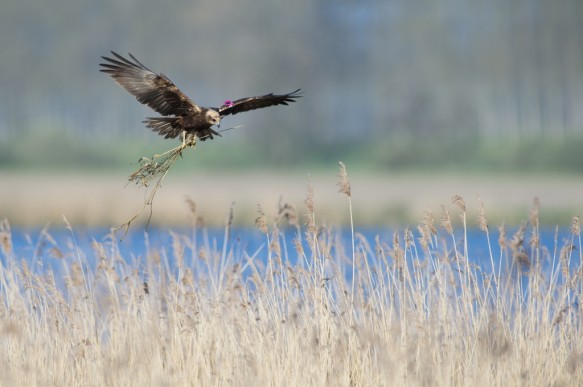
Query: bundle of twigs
x,y
154,169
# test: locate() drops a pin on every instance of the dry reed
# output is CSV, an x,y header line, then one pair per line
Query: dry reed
x,y
289,315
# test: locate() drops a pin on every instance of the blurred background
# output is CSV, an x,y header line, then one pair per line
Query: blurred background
x,y
420,99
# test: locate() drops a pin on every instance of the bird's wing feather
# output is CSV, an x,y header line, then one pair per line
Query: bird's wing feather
x,y
252,103
149,88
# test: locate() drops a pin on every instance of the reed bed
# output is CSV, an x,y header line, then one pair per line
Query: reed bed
x,y
410,308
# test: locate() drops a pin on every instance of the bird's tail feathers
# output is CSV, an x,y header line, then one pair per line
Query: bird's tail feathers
x,y
169,127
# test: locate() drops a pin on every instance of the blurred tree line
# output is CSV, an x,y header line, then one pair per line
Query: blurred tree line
x,y
373,72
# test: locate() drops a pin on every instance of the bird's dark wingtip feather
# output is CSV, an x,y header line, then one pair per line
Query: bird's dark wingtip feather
x,y
138,62
119,61
295,94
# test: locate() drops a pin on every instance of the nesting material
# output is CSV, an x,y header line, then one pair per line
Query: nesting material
x,y
154,170
156,167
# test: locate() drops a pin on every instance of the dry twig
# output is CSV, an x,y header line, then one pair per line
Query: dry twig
x,y
153,169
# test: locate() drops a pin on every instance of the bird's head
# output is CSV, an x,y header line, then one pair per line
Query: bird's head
x,y
213,117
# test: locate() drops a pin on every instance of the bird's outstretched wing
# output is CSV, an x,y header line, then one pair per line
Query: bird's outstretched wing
x,y
154,90
252,103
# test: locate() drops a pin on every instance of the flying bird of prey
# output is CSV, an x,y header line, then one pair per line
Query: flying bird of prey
x,y
180,116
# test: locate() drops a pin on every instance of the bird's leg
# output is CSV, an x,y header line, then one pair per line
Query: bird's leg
x,y
183,139
187,140
183,145
191,140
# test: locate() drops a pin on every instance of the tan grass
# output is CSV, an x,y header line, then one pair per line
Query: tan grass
x,y
416,313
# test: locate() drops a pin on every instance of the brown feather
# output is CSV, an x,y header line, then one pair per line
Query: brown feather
x,y
154,90
252,103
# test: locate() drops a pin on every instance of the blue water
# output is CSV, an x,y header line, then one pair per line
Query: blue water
x,y
37,246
